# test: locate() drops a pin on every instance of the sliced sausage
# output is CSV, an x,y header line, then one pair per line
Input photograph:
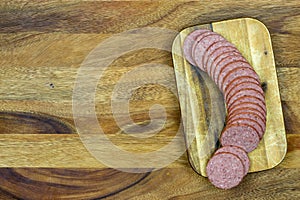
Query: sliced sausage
x,y
235,65
219,53
253,118
248,108
243,86
238,152
225,170
198,40
245,93
219,62
241,135
248,102
249,122
245,102
236,84
189,42
241,72
210,45
210,50
202,46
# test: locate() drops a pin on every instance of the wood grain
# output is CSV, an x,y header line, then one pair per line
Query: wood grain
x,y
20,123
42,43
66,183
162,184
99,183
61,150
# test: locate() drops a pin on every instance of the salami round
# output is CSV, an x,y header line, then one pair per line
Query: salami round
x,y
225,170
216,42
238,152
239,64
249,122
246,103
209,51
239,72
202,47
244,93
219,53
254,118
249,108
240,83
189,42
244,86
198,40
222,61
242,136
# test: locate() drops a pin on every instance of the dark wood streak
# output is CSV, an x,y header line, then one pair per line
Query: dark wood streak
x,y
78,17
44,17
173,10
203,77
283,185
262,13
125,188
33,123
264,86
28,183
7,196
206,83
289,117
89,17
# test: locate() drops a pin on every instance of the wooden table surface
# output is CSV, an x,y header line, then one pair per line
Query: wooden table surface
x,y
42,47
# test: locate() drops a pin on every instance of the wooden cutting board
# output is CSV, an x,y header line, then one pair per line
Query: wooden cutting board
x,y
202,107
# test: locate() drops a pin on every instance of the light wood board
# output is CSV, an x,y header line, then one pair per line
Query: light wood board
x,y
203,125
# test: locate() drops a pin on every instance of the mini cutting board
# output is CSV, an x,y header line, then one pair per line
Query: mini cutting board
x,y
203,109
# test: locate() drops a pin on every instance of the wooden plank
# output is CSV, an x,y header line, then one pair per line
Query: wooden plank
x,y
291,159
65,183
100,17
162,184
195,187
34,123
252,39
91,183
30,90
56,102
62,151
67,150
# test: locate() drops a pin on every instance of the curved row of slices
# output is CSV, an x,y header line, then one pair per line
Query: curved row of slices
x,y
245,102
